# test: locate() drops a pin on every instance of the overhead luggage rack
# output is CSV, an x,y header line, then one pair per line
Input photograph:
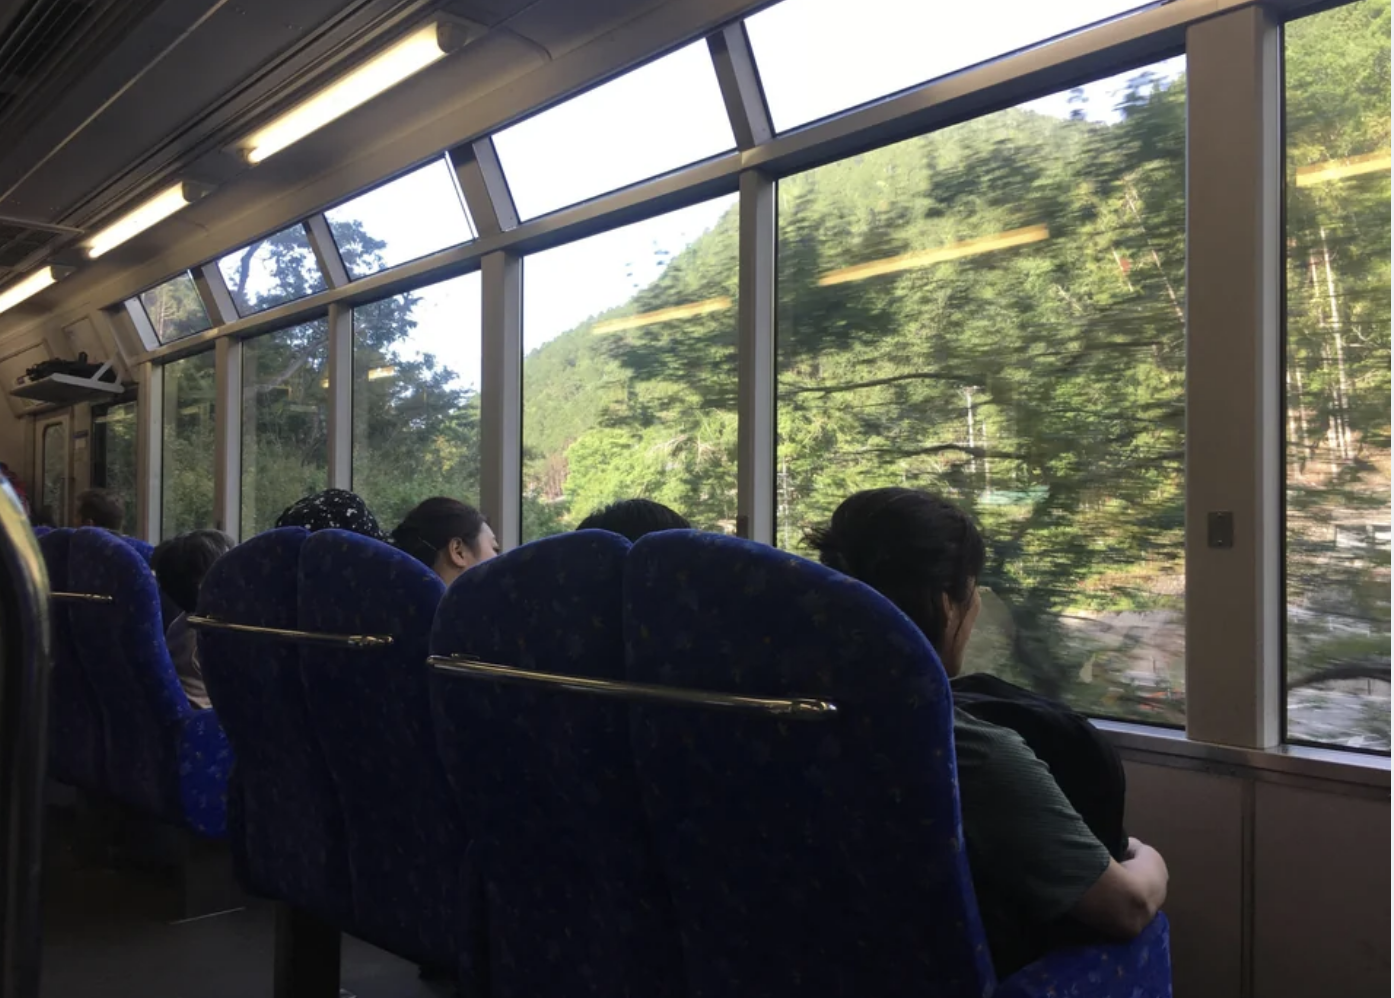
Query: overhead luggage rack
x,y
66,389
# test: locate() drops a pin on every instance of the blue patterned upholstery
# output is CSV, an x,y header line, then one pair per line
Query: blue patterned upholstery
x,y
1140,969
75,721
815,857
159,751
143,548
287,827
371,711
576,904
810,857
41,531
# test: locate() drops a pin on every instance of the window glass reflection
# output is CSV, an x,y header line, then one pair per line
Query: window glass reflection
x,y
995,312
1337,377
272,271
410,217
416,376
285,421
186,488
654,119
629,374
175,309
114,456
889,45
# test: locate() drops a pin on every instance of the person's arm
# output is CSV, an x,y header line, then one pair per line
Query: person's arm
x,y
1128,896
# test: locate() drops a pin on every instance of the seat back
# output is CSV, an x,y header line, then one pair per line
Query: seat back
x,y
284,817
371,711
122,649
576,904
75,727
806,857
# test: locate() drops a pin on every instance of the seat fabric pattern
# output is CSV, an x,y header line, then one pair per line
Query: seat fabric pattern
x,y
152,763
1140,969
576,904
812,857
287,823
75,721
371,712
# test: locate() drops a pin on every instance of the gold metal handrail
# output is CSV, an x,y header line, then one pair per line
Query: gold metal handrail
x,y
82,597
796,708
358,641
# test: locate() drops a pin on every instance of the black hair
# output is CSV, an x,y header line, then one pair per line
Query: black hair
x,y
429,528
338,509
633,518
43,517
911,546
181,562
101,508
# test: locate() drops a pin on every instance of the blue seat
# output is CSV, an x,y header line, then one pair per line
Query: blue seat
x,y
370,709
285,821
815,857
162,756
75,720
143,548
576,903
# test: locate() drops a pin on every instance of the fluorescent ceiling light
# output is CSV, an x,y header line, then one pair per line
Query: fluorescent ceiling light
x,y
31,286
382,72
940,254
157,209
706,307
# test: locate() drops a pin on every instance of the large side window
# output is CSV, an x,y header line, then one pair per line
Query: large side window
x,y
1337,376
272,271
175,309
285,421
629,374
995,312
416,375
53,486
186,500
114,455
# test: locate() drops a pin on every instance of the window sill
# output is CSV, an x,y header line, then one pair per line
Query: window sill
x,y
1168,746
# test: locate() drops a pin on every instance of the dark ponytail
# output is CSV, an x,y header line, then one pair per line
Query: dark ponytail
x,y
429,528
912,547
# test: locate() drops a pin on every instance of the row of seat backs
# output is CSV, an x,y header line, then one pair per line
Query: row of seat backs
x,y
340,805
122,726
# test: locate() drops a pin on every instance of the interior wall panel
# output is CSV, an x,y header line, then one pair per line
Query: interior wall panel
x,y
1196,821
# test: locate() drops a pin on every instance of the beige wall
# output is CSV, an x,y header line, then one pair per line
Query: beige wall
x,y
1313,860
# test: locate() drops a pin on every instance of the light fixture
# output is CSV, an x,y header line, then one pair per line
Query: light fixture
x,y
31,285
378,373
383,71
157,209
940,254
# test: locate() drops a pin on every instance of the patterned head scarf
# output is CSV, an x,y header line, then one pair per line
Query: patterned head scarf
x,y
333,508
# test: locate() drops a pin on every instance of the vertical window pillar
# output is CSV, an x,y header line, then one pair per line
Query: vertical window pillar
x,y
340,396
755,435
501,397
227,437
1234,466
150,404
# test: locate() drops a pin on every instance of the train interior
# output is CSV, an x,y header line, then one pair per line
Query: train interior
x,y
1111,276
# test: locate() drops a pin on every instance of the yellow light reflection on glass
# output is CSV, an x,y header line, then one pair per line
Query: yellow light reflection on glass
x,y
1340,169
706,307
940,254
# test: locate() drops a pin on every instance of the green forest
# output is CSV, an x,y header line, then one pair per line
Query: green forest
x,y
995,311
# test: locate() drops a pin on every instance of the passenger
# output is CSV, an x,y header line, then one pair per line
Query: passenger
x,y
43,517
100,508
336,509
180,565
447,536
1041,877
633,518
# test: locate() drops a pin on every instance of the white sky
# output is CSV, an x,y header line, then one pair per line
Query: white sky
x,y
668,114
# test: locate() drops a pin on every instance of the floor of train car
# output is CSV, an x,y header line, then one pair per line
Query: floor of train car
x,y
109,930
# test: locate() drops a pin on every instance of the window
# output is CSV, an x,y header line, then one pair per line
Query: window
x,y
416,361
272,271
995,312
285,421
881,46
655,119
186,500
175,309
409,218
53,491
114,456
629,374
1337,377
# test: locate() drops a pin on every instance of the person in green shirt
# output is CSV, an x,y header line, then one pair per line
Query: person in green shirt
x,y
1042,878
